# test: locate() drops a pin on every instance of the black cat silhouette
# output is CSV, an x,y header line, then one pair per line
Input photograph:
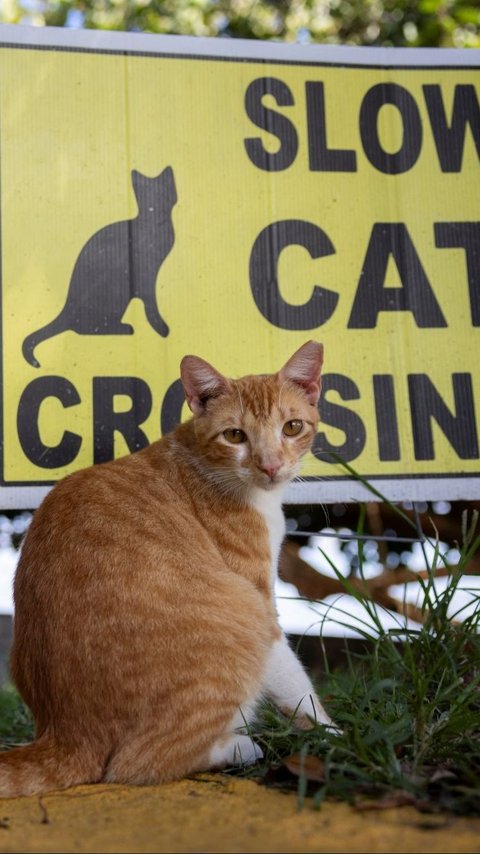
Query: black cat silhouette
x,y
118,263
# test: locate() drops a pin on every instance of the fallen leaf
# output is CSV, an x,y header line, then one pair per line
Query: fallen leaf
x,y
311,767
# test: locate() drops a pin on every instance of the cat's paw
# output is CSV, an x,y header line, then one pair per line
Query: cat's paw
x,y
246,751
237,750
303,722
309,712
306,722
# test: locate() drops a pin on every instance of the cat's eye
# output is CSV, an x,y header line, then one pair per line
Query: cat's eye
x,y
293,428
235,436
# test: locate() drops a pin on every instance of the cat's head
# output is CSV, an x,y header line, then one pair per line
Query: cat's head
x,y
254,431
155,195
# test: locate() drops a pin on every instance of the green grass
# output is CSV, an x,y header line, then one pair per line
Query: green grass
x,y
409,710
16,724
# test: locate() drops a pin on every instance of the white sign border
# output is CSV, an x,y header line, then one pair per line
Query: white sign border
x,y
231,49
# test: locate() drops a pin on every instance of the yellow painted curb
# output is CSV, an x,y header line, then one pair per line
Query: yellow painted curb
x,y
215,813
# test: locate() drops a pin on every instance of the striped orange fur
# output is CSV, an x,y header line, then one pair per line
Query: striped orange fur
x,y
145,627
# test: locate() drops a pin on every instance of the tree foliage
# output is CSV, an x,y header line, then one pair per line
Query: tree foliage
x,y
431,23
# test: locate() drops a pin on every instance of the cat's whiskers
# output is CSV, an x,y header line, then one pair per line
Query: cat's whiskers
x,y
226,482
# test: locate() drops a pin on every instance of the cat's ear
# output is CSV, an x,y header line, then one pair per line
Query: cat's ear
x,y
138,181
201,382
304,368
169,190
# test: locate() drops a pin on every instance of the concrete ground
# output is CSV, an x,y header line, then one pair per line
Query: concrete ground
x,y
215,813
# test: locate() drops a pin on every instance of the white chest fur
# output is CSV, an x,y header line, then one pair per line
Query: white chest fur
x,y
269,505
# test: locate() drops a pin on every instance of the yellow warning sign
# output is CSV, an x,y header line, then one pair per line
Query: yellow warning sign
x,y
156,203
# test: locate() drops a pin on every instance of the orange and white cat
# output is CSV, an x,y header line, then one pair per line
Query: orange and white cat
x,y
145,627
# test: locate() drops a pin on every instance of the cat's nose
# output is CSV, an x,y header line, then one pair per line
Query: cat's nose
x,y
270,470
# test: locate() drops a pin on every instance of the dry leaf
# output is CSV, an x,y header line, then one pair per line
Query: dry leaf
x,y
307,766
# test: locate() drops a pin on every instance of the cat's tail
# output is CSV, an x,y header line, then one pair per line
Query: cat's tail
x,y
32,341
34,769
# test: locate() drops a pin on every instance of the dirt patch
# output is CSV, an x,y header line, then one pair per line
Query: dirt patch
x,y
217,814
